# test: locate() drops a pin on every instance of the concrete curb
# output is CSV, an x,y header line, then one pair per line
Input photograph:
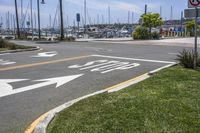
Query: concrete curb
x,y
20,50
46,42
40,125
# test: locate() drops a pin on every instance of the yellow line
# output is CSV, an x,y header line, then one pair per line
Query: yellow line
x,y
35,123
125,82
43,63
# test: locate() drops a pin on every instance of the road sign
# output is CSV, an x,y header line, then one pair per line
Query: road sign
x,y
191,13
6,89
193,3
78,17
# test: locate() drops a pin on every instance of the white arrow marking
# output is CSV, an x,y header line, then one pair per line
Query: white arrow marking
x,y
46,54
6,62
6,89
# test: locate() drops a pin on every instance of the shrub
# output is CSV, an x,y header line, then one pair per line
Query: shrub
x,y
155,35
141,33
186,58
71,39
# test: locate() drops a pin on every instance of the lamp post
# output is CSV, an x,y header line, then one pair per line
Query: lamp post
x,y
17,19
31,10
38,6
61,22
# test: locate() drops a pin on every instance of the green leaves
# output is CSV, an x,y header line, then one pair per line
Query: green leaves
x,y
186,58
152,21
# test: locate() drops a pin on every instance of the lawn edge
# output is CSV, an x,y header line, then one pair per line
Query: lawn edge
x,y
20,50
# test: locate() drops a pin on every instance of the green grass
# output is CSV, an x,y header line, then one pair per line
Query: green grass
x,y
3,49
168,102
5,45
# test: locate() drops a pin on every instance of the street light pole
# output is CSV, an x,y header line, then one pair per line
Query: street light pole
x,y
17,19
195,44
38,6
31,8
61,22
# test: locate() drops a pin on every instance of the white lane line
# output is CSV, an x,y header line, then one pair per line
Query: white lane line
x,y
133,59
5,54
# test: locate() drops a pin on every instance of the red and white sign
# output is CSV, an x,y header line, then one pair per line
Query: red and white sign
x,y
193,3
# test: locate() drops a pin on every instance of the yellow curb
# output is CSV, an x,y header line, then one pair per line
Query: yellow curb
x,y
126,82
31,128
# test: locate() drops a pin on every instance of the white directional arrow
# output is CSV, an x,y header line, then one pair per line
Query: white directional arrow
x,y
46,54
6,89
6,62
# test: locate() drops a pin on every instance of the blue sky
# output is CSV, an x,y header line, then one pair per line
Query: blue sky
x,y
119,9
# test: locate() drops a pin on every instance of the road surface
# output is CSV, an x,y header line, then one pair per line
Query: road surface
x,y
32,83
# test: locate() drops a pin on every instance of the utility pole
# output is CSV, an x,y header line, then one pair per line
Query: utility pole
x,y
31,9
181,21
38,6
145,11
195,44
17,19
61,22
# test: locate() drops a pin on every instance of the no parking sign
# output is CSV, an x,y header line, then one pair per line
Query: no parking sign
x,y
193,3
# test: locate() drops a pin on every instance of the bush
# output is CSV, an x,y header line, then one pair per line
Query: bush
x,y
70,39
155,35
141,33
186,58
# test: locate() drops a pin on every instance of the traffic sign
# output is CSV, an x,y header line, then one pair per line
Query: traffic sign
x,y
78,17
193,3
191,13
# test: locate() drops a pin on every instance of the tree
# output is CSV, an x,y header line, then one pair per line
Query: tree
x,y
190,25
152,21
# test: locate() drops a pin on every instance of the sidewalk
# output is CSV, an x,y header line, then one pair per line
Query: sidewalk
x,y
104,39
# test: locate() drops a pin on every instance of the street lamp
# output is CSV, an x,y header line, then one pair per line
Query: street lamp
x,y
61,22
38,6
17,19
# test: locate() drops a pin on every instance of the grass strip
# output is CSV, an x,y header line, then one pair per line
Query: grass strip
x,y
5,45
166,102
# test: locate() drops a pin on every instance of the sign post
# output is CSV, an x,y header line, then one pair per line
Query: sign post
x,y
195,4
78,19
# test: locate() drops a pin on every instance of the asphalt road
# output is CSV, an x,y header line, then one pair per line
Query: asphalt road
x,y
32,83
